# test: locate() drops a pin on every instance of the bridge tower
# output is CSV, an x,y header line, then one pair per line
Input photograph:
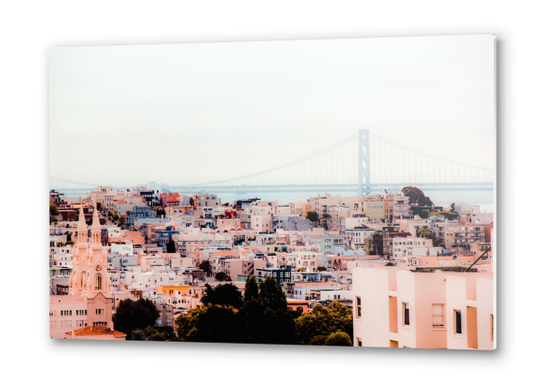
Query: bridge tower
x,y
364,163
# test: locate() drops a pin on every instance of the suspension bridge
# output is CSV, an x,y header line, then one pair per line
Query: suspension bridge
x,y
362,163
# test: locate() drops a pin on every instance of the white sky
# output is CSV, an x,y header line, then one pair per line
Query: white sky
x,y
189,113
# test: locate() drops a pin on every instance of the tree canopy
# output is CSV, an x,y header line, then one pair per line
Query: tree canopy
x,y
312,216
210,323
205,266
152,334
428,235
171,246
271,295
227,295
221,276
447,215
53,209
416,196
339,338
132,315
251,290
261,316
314,327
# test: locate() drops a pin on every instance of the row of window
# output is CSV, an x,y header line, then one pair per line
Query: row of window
x,y
67,323
437,316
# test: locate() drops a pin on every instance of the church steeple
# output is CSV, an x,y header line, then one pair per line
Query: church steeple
x,y
89,274
96,229
82,229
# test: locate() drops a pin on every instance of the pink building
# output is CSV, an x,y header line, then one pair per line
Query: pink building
x,y
228,224
401,307
89,302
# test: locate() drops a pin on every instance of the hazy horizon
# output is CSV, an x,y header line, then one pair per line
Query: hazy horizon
x,y
194,113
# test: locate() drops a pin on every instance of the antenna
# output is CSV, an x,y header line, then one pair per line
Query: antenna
x,y
482,255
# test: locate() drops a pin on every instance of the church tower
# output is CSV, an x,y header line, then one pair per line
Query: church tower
x,y
89,275
80,256
97,259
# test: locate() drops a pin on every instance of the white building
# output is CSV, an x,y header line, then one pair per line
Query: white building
x,y
404,249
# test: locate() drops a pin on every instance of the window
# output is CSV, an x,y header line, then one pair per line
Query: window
x,y
457,322
406,314
438,316
358,307
99,281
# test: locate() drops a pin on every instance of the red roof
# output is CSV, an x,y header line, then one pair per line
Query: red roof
x,y
95,330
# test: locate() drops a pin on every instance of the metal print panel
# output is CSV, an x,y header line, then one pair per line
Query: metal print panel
x,y
320,192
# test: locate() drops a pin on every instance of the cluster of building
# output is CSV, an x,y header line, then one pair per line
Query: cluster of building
x,y
406,289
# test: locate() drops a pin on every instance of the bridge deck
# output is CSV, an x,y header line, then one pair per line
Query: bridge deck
x,y
319,188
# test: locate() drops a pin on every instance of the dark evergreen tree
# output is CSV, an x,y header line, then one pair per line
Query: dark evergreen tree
x,y
209,323
170,246
205,266
227,295
312,216
251,290
271,295
132,315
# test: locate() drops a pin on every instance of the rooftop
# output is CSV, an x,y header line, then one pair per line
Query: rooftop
x,y
95,330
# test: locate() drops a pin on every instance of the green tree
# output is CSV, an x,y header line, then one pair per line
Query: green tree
x,y
277,321
314,327
131,315
447,215
205,266
171,246
312,216
262,317
122,220
251,290
326,216
272,295
227,295
209,323
339,338
221,276
416,196
428,235
153,334
53,209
